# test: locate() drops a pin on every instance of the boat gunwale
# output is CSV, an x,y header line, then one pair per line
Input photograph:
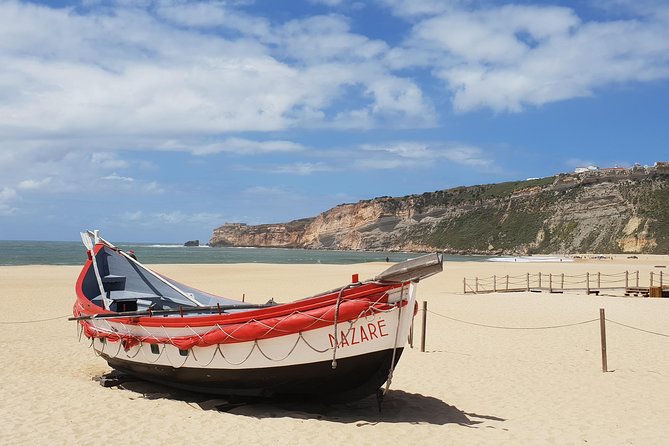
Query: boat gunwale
x,y
364,290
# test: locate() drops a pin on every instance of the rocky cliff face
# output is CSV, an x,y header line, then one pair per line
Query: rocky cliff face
x,y
593,212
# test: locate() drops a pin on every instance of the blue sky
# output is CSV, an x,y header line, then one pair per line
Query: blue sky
x,y
159,120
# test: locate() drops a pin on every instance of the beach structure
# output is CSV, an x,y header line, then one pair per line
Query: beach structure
x,y
338,345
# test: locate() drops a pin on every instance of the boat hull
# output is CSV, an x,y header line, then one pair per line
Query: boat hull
x,y
353,378
297,365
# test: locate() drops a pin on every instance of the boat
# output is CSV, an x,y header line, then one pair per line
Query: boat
x,y
338,345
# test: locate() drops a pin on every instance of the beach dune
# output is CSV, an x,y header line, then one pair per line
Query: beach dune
x,y
493,371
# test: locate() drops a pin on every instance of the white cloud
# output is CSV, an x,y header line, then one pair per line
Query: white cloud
x,y
107,160
60,174
7,195
210,15
468,156
123,73
116,177
171,218
403,154
241,146
34,184
509,57
153,187
302,168
411,9
326,38
404,149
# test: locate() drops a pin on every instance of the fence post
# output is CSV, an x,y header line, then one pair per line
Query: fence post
x,y
661,279
507,282
464,285
562,282
477,285
599,280
637,278
539,279
651,278
422,339
550,282
528,281
627,278
602,332
587,283
494,283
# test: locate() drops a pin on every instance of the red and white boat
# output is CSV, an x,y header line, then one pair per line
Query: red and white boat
x,y
338,345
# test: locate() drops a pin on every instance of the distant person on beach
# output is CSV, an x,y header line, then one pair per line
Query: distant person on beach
x,y
131,253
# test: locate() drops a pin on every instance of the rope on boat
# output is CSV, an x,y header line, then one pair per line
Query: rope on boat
x,y
397,332
141,340
336,316
290,352
213,356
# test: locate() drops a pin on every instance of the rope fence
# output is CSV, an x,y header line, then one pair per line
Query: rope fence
x,y
35,320
590,283
602,325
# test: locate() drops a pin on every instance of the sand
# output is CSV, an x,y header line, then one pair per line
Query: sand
x,y
473,385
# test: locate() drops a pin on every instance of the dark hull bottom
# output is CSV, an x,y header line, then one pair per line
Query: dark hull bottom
x,y
354,378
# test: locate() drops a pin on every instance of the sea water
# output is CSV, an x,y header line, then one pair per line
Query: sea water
x,y
74,253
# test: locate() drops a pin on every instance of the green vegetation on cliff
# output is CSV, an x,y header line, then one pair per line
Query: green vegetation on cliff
x,y
593,212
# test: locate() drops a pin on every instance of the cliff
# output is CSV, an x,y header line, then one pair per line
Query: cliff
x,y
615,212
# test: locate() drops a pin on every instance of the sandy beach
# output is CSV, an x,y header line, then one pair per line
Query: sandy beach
x,y
474,385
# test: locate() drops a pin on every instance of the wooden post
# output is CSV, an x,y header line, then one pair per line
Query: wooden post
x,y
539,279
562,282
637,278
422,339
243,297
587,283
602,331
599,280
550,282
464,285
651,278
494,283
661,279
528,281
627,279
507,282
477,285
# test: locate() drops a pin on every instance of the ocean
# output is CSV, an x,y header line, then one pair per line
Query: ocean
x,y
73,253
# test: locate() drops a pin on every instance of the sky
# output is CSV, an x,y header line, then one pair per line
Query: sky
x,y
160,120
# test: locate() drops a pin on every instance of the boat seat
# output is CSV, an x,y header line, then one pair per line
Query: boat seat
x,y
113,282
123,305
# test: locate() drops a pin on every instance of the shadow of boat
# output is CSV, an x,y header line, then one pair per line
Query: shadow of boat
x,y
397,406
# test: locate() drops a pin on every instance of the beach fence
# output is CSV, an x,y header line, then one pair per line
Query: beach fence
x,y
602,319
591,283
